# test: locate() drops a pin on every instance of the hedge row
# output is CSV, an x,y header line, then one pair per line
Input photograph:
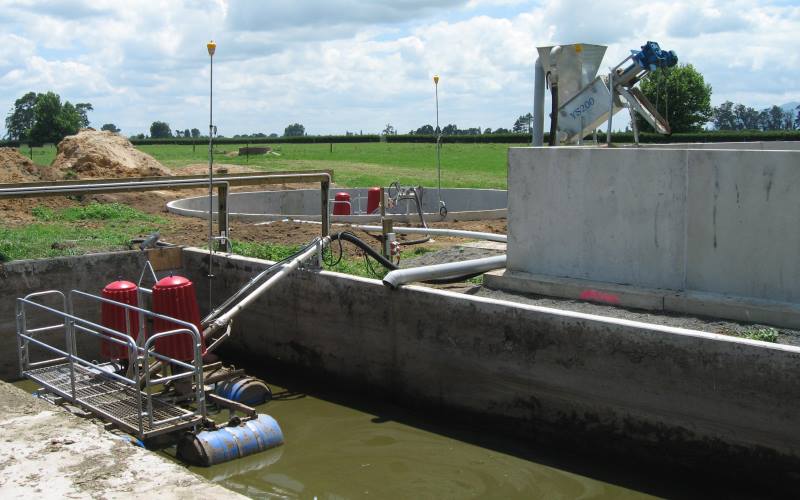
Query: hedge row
x,y
619,137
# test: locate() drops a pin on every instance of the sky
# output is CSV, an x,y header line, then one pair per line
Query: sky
x,y
349,65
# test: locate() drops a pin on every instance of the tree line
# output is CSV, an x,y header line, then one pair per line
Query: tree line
x,y
735,116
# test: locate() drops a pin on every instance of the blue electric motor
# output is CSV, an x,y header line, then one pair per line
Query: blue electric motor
x,y
652,57
208,448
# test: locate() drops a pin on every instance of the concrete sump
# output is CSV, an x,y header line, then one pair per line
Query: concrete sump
x,y
543,374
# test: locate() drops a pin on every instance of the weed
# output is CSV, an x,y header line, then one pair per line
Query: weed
x,y
765,334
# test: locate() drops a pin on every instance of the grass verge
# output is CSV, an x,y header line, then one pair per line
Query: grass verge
x,y
75,230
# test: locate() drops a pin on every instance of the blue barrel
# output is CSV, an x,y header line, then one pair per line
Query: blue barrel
x,y
246,390
208,448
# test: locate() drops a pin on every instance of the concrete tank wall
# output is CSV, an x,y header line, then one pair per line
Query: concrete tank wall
x,y
542,373
462,204
89,273
717,221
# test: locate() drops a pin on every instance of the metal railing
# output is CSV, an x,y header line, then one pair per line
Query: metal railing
x,y
94,385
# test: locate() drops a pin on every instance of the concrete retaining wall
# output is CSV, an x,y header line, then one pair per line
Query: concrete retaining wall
x,y
538,372
644,390
712,221
89,273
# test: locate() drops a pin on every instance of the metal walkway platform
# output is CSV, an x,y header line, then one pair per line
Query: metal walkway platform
x,y
131,400
113,400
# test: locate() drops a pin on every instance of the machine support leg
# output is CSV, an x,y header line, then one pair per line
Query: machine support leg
x,y
222,217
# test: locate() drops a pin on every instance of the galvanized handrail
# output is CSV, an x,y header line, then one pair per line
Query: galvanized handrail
x,y
138,355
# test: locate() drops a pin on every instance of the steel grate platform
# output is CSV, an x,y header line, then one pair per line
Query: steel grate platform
x,y
111,399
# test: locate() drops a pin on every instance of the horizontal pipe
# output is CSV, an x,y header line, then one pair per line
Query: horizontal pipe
x,y
476,235
110,185
440,271
290,266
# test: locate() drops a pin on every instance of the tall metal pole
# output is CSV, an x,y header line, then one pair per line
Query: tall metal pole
x,y
442,207
212,47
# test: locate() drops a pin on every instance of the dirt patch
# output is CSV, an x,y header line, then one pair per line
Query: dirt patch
x,y
102,154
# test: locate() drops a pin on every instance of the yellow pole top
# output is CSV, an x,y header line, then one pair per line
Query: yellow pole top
x,y
436,79
212,47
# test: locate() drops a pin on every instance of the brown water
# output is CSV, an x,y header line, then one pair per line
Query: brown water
x,y
334,451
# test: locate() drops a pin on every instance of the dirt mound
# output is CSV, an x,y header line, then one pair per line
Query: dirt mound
x,y
92,153
15,167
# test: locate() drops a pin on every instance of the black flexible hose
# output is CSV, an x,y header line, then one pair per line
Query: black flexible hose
x,y
363,245
352,238
553,139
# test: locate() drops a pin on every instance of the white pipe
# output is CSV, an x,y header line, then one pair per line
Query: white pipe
x,y
477,235
538,104
290,266
438,271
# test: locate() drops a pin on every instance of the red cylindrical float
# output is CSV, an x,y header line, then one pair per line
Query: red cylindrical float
x,y
174,296
342,204
114,317
373,199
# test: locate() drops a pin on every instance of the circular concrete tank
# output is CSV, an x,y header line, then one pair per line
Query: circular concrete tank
x,y
304,204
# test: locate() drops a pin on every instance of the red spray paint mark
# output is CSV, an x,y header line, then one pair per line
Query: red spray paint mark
x,y
598,296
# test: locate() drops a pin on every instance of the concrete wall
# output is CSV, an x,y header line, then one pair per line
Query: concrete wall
x,y
89,273
542,373
717,221
647,391
463,204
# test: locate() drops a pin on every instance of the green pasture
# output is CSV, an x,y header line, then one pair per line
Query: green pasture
x,y
354,164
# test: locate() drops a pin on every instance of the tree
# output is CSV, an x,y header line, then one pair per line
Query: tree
x,y
724,117
487,130
681,96
195,133
186,133
160,130
788,120
746,117
451,129
83,109
111,128
294,130
425,130
52,120
20,120
502,130
797,118
389,130
774,119
523,124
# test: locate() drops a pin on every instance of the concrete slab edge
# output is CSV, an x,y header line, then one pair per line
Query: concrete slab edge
x,y
713,305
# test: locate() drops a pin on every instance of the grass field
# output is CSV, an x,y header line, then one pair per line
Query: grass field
x,y
354,164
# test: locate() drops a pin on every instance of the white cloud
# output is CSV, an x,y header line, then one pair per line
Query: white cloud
x,y
340,65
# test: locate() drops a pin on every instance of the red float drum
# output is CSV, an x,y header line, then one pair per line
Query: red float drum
x,y
342,204
373,199
114,317
174,296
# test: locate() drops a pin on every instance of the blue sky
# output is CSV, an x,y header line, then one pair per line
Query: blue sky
x,y
337,65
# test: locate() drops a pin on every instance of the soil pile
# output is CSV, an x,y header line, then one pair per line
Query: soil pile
x,y
103,154
15,167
